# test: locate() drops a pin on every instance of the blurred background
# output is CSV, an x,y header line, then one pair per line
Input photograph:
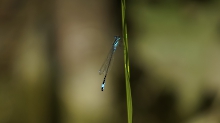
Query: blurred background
x,y
51,51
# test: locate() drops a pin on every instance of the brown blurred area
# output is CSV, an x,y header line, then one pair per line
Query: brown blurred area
x,y
51,51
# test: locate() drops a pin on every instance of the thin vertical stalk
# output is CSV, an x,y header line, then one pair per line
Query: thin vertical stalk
x,y
126,62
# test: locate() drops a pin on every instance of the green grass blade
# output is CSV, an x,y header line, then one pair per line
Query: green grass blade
x,y
126,63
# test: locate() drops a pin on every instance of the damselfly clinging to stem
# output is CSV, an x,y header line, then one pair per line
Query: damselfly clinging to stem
x,y
105,67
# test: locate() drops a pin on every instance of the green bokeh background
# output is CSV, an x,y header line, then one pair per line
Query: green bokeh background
x,y
51,51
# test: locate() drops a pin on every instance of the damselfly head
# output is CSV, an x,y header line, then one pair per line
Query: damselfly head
x,y
116,41
117,37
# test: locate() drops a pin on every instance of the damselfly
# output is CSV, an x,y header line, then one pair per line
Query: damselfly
x,y
105,67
